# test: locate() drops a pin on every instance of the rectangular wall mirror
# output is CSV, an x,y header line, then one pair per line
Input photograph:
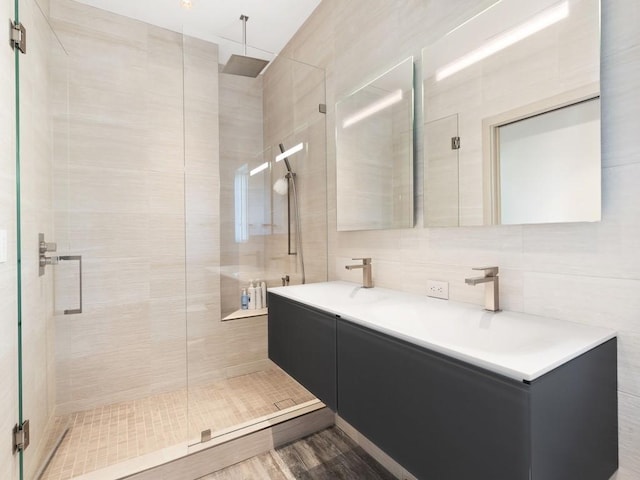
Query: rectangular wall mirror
x,y
512,115
374,153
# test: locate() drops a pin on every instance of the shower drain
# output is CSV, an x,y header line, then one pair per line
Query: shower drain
x,y
286,403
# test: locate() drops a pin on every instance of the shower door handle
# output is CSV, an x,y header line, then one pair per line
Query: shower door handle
x,y
77,258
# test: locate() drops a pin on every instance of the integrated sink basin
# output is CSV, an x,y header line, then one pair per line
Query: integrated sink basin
x,y
519,346
344,294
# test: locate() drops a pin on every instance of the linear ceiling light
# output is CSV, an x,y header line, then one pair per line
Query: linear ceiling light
x,y
539,22
258,169
377,106
291,151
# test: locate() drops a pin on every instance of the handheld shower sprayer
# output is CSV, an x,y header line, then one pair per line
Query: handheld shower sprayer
x,y
281,187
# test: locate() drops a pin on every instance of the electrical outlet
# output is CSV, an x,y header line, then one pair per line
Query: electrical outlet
x,y
438,289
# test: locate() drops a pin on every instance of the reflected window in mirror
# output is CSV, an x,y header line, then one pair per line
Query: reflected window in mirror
x,y
241,204
547,167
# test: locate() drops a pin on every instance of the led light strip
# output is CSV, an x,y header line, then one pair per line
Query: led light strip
x,y
508,38
290,152
385,102
258,169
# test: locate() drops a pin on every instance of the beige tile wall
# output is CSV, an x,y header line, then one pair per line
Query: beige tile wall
x,y
223,120
8,319
202,224
240,144
588,273
144,208
120,203
292,94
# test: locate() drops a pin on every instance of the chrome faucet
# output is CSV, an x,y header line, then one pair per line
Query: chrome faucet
x,y
491,291
367,280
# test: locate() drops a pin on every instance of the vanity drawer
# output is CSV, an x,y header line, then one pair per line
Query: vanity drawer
x,y
443,418
302,341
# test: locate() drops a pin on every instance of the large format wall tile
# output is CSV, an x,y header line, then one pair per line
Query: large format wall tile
x,y
292,94
620,78
619,21
120,203
607,248
629,428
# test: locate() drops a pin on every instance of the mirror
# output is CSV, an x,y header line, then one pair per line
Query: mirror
x,y
374,153
511,110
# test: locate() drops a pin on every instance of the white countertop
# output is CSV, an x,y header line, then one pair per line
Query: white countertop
x,y
517,345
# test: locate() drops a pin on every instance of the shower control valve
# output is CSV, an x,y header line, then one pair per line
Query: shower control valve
x,y
44,247
47,247
44,261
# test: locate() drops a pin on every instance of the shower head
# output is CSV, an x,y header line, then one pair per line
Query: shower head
x,y
243,64
286,160
281,186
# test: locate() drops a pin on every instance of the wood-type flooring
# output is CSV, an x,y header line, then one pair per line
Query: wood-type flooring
x,y
327,455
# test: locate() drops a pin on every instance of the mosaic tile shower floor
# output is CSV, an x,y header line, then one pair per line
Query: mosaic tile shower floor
x,y
114,433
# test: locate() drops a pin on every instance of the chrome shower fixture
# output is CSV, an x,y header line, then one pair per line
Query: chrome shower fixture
x,y
243,64
282,189
280,186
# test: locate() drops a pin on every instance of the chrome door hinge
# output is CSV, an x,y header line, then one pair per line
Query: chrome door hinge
x,y
455,143
21,437
18,37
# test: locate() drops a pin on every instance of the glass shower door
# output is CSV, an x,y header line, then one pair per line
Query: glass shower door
x,y
43,125
234,236
104,179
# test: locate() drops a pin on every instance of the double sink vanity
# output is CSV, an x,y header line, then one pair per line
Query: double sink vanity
x,y
449,390
509,109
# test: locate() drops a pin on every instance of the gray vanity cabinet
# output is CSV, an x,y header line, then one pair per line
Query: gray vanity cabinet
x,y
445,419
302,341
448,420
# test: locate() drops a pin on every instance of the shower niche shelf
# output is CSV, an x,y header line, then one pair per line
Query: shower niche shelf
x,y
245,314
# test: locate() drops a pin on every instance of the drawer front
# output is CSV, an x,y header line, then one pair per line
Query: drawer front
x,y
436,417
302,341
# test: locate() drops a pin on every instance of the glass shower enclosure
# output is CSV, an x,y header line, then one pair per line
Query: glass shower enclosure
x,y
153,174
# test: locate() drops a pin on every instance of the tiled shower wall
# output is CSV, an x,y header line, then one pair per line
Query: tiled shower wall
x,y
141,203
120,204
588,273
240,144
293,92
218,350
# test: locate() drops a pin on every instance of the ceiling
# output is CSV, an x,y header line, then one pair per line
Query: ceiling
x,y
270,26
